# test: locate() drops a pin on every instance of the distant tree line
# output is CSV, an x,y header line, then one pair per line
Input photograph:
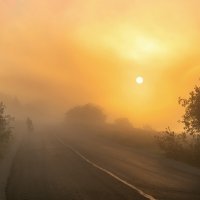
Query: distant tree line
x,y
91,119
185,146
91,116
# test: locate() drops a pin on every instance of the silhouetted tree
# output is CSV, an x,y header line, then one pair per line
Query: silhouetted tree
x,y
191,118
87,115
5,128
187,144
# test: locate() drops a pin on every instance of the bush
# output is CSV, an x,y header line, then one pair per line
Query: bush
x,y
171,143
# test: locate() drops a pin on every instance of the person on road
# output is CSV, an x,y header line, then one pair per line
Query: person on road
x,y
29,125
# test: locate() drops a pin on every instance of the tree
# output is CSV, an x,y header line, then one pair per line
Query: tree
x,y
185,145
5,128
87,115
191,118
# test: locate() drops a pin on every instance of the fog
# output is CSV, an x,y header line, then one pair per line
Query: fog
x,y
87,89
56,55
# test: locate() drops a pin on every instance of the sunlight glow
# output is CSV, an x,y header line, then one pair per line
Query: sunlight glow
x,y
145,47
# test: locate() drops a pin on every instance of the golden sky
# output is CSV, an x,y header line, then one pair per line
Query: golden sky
x,y
60,53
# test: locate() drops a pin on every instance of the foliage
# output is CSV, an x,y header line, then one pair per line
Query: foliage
x,y
191,118
171,143
88,115
185,145
5,128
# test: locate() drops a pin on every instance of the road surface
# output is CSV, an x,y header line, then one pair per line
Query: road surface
x,y
86,168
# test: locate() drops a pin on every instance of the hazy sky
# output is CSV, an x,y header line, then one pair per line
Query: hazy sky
x,y
60,53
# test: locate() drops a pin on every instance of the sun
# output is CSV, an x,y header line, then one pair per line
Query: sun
x,y
139,80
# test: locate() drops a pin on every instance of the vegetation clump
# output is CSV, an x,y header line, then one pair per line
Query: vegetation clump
x,y
5,127
185,145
